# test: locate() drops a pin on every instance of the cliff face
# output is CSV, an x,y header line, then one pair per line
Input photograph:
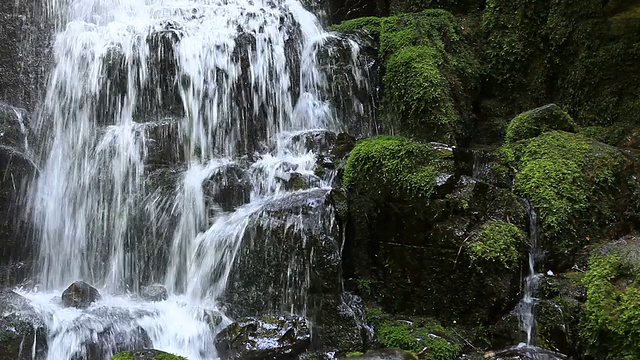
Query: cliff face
x,y
25,53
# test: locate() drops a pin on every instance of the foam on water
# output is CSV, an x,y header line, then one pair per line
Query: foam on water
x,y
248,84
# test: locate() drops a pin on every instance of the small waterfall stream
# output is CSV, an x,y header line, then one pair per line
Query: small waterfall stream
x,y
526,307
171,124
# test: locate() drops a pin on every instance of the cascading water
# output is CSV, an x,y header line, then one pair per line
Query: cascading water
x,y
234,86
525,309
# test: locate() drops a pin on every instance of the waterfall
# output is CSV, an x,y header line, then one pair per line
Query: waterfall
x,y
170,128
525,308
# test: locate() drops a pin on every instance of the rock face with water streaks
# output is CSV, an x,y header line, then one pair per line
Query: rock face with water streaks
x,y
22,332
16,169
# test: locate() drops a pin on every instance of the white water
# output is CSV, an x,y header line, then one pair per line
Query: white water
x,y
525,309
248,79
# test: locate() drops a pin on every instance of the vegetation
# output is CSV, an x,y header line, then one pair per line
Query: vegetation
x,y
613,308
414,336
497,242
155,355
394,165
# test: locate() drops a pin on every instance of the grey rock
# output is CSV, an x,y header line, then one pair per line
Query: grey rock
x,y
154,292
80,295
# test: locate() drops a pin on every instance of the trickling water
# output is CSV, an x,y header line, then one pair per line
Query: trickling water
x,y
525,309
236,85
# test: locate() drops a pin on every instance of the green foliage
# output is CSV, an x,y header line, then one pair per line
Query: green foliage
x,y
497,242
534,122
367,25
570,180
414,336
354,354
612,324
393,165
456,6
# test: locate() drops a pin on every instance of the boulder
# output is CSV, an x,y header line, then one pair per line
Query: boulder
x,y
422,239
112,340
269,337
537,121
80,295
146,355
228,187
22,330
154,292
523,353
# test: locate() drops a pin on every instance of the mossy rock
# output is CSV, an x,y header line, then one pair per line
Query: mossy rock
x,y
611,328
497,242
410,224
455,6
415,335
537,121
146,355
431,75
574,184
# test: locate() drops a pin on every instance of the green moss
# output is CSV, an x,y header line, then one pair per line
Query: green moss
x,y
571,181
497,242
612,322
395,166
534,122
367,25
414,336
354,354
123,356
430,74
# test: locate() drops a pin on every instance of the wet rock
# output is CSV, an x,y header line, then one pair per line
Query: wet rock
x,y
343,145
213,318
114,340
264,338
16,169
318,141
524,353
164,142
155,292
298,181
80,295
146,355
229,187
21,329
386,354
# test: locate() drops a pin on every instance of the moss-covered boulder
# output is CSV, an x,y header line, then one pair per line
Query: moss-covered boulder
x,y
537,121
269,337
431,75
423,239
386,354
420,336
613,293
146,355
574,184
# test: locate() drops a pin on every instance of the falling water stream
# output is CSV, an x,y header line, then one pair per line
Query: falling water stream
x,y
525,309
232,84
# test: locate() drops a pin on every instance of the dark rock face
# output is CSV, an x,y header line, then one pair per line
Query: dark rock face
x,y
154,293
80,295
20,329
16,169
229,187
265,338
24,59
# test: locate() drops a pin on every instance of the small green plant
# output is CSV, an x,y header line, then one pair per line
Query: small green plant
x,y
497,242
